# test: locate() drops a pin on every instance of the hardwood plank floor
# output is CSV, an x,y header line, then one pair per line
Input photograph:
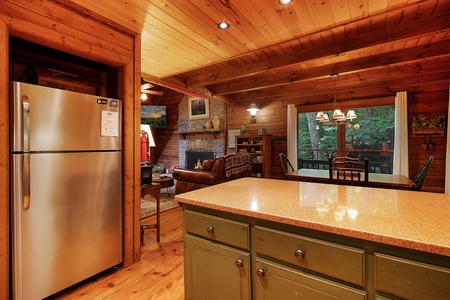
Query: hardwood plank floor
x,y
159,274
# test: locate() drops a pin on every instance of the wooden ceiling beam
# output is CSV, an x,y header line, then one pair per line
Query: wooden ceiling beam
x,y
440,49
177,85
388,81
402,32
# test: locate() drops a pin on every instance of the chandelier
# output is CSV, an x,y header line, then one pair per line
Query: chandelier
x,y
338,117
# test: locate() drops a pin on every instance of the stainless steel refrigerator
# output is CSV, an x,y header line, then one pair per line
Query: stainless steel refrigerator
x,y
66,194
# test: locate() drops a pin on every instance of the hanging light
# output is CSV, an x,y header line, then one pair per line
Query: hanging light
x,y
143,97
351,115
253,109
338,116
320,116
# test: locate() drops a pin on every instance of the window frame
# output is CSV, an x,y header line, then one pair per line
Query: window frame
x,y
341,133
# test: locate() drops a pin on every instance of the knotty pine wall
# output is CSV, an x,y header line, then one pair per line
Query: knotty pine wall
x,y
166,140
273,116
93,38
428,103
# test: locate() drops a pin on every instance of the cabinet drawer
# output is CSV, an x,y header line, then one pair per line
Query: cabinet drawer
x,y
272,281
222,230
343,262
411,279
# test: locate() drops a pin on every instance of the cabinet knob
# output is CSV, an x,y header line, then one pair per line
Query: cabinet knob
x,y
239,263
210,230
299,254
261,273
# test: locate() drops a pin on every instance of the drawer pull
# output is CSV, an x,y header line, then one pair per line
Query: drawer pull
x,y
239,263
210,230
299,254
261,273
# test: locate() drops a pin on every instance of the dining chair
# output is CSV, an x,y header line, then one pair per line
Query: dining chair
x,y
285,164
420,177
348,170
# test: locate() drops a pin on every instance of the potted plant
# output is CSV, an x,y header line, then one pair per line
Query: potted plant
x,y
428,124
156,172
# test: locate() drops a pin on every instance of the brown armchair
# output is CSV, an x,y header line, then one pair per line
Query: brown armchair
x,y
214,171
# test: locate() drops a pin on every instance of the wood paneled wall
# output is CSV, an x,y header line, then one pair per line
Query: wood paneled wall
x,y
96,39
166,140
428,103
273,116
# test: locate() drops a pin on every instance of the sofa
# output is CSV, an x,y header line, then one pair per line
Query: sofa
x,y
213,171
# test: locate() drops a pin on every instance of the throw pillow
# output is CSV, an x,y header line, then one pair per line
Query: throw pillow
x,y
208,164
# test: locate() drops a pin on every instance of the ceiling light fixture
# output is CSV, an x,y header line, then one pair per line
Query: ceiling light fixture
x,y
143,97
338,116
285,2
223,25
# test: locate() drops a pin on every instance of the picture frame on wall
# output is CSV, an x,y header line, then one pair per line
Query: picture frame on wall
x,y
231,137
198,108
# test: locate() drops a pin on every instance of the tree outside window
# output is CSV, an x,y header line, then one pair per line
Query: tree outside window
x,y
370,135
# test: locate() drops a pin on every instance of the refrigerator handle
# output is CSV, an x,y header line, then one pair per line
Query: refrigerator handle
x,y
26,123
26,181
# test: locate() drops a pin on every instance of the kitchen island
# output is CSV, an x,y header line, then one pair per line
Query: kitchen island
x,y
256,238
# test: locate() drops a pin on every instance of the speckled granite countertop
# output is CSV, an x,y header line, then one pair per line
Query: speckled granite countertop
x,y
414,220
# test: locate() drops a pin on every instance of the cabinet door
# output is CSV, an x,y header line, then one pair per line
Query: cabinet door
x,y
273,282
214,271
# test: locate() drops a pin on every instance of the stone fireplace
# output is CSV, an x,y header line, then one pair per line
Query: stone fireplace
x,y
196,144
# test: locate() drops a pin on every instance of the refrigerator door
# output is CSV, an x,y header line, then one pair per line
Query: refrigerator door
x,y
47,119
71,228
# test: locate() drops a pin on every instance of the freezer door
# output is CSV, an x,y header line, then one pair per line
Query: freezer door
x,y
71,228
47,119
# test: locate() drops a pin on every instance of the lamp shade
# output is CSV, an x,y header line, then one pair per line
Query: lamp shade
x,y
351,114
253,109
146,128
320,116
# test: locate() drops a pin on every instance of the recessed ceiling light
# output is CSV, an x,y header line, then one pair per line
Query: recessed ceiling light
x,y
223,25
285,2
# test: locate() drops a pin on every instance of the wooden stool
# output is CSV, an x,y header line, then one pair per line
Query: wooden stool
x,y
154,190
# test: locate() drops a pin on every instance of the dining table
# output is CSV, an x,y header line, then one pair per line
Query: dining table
x,y
377,180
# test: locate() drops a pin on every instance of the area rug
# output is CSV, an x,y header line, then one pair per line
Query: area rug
x,y
148,204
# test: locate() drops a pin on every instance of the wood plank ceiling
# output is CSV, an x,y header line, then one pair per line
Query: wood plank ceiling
x,y
272,52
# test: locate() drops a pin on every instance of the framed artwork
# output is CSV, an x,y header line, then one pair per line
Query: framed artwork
x,y
198,108
231,137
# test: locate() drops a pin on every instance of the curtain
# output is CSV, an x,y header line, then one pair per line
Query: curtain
x,y
447,155
292,135
401,161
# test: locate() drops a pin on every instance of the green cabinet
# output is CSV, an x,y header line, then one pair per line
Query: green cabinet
x,y
230,256
215,272
411,279
274,281
216,258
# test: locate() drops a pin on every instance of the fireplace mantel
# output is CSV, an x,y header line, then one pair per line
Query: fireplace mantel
x,y
213,131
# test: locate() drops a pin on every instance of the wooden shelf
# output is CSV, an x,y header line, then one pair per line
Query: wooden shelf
x,y
425,132
213,131
251,143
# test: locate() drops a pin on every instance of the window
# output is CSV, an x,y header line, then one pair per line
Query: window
x,y
370,135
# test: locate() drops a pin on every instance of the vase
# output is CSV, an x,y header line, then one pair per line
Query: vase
x,y
216,122
209,124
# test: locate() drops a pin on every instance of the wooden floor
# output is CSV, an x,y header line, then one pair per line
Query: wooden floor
x,y
159,274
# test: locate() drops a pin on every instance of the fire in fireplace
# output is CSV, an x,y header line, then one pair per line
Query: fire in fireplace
x,y
197,157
